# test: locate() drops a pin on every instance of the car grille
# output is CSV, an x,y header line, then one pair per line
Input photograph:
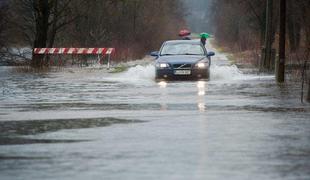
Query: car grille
x,y
182,66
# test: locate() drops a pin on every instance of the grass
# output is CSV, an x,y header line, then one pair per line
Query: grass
x,y
231,58
246,59
119,69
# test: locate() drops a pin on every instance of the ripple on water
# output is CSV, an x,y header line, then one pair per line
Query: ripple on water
x,y
11,131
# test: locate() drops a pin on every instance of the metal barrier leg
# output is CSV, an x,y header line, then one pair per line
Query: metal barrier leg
x,y
109,57
98,59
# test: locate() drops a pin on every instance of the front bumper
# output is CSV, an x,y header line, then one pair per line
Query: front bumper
x,y
196,74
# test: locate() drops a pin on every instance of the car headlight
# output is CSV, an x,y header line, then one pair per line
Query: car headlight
x,y
162,65
201,65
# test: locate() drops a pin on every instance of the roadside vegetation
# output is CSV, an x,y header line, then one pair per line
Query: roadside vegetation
x,y
133,27
252,30
240,27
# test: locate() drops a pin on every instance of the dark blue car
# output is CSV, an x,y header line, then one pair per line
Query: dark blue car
x,y
183,60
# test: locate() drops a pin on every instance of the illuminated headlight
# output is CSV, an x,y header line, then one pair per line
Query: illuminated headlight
x,y
201,65
162,65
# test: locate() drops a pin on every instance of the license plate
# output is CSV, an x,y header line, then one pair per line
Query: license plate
x,y
182,72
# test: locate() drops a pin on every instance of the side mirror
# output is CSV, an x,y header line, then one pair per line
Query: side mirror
x,y
210,54
155,54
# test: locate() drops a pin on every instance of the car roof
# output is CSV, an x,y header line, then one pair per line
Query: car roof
x,y
195,41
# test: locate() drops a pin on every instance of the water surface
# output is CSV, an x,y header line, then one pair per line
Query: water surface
x,y
89,124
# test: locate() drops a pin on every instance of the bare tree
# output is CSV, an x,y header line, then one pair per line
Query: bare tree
x,y
36,23
132,26
281,64
2,24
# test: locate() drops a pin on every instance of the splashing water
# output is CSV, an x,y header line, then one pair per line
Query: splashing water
x,y
219,73
139,72
147,73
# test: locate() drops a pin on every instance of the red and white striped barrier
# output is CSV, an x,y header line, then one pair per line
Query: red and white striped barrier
x,y
102,51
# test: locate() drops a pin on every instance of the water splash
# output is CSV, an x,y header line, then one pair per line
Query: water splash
x,y
139,74
225,73
143,73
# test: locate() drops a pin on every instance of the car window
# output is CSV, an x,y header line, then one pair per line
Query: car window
x,y
182,49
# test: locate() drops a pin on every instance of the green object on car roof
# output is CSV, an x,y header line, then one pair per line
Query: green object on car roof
x,y
205,35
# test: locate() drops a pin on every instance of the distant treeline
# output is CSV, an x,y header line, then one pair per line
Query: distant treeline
x,y
240,25
133,27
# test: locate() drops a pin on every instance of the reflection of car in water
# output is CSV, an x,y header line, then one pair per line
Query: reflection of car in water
x,y
183,60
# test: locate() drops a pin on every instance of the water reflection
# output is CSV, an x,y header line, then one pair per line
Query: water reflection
x,y
162,84
163,95
201,86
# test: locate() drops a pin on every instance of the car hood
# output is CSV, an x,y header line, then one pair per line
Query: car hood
x,y
186,59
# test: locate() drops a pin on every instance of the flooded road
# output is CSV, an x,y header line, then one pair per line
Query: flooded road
x,y
89,124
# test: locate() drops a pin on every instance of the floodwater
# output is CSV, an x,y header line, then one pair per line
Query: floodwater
x,y
89,124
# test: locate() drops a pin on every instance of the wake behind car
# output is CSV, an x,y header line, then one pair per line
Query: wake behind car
x,y
182,60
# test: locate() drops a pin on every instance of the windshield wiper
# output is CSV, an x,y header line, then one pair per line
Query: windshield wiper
x,y
167,54
192,54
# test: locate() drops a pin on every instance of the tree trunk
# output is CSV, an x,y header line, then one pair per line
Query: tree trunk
x,y
42,13
308,97
268,35
281,62
53,31
294,27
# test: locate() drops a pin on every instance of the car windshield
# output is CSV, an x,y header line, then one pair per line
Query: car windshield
x,y
182,49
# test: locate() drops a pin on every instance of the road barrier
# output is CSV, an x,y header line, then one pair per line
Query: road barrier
x,y
76,51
